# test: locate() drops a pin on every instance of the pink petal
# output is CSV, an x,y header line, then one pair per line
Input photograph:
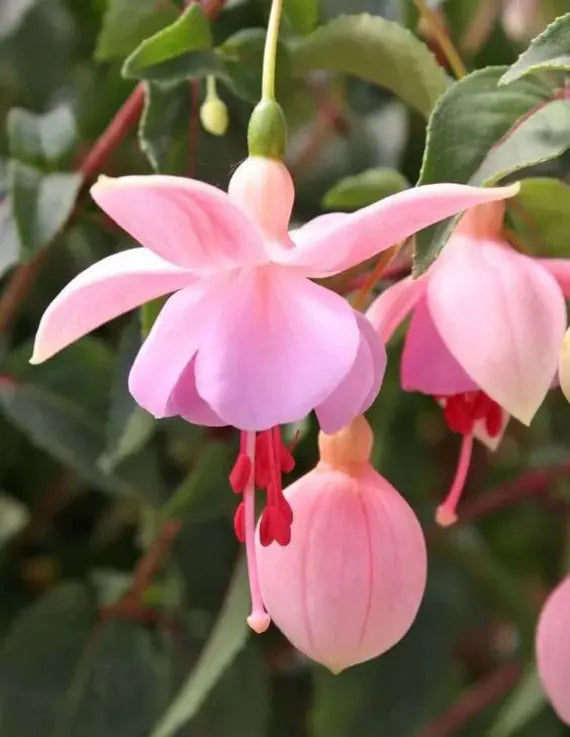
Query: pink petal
x,y
359,388
560,270
553,649
342,242
161,378
393,305
185,221
186,402
105,290
427,365
277,349
502,316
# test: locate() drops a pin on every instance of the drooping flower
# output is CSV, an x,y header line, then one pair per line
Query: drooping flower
x,y
247,339
553,649
485,334
348,586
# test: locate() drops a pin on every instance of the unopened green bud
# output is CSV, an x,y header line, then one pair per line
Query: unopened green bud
x,y
267,131
214,116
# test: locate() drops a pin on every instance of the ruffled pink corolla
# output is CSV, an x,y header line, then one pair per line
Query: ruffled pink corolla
x,y
485,335
349,585
553,649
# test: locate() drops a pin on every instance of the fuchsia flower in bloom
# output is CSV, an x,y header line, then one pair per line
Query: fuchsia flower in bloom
x,y
247,339
485,335
553,649
350,583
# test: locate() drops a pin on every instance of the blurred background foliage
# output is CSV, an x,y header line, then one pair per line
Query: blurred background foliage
x,y
93,643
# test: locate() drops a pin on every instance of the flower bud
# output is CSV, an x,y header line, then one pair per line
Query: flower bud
x,y
349,584
214,117
553,649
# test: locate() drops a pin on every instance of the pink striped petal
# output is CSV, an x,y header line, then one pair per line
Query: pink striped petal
x,y
342,242
277,349
427,365
393,306
186,402
553,649
502,316
359,388
161,380
107,289
560,270
185,221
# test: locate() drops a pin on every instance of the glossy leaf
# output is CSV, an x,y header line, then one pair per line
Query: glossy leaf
x,y
363,189
41,140
378,51
471,117
163,130
550,51
544,215
227,638
190,32
302,14
41,204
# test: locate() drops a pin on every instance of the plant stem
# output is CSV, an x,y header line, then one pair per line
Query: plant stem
x,y
270,52
441,36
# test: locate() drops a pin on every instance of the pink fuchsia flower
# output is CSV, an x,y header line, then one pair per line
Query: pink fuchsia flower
x,y
247,339
485,334
350,583
553,649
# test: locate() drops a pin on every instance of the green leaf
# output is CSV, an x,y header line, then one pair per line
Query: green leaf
x,y
41,204
60,428
302,14
540,137
163,129
38,660
378,51
471,117
363,189
191,32
129,427
544,217
227,638
9,238
41,140
550,51
523,704
192,65
128,22
12,14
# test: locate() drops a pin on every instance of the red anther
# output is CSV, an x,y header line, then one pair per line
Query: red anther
x,y
481,405
239,522
263,459
458,414
274,527
286,510
240,473
286,460
494,420
265,529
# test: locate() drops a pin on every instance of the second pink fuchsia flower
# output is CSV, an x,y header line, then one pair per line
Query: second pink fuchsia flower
x,y
485,334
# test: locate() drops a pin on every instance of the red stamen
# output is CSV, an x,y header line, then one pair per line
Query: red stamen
x,y
494,420
462,411
239,522
446,514
240,473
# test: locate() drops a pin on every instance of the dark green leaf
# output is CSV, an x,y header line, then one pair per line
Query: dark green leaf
x,y
377,50
39,658
550,51
12,13
128,22
363,189
163,130
60,428
302,14
191,32
41,204
9,239
227,638
545,216
471,117
129,426
41,140
193,65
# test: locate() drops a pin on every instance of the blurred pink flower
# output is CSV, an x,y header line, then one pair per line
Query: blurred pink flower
x,y
553,649
485,335
349,585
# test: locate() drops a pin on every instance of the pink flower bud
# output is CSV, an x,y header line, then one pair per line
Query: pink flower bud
x,y
553,649
349,584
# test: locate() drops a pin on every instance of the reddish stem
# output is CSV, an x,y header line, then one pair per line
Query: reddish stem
x,y
473,701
